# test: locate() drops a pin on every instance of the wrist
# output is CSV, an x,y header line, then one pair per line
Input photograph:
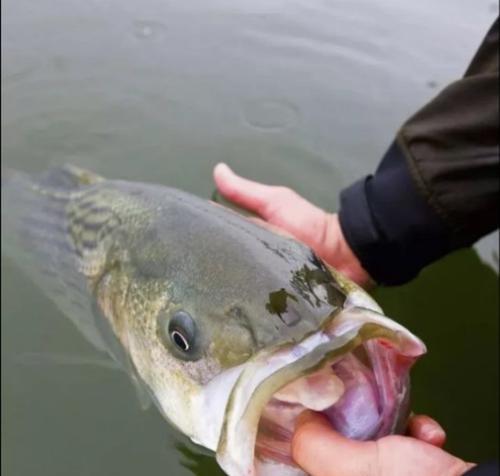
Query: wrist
x,y
339,254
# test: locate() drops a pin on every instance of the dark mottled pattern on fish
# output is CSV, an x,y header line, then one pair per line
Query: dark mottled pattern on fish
x,y
121,258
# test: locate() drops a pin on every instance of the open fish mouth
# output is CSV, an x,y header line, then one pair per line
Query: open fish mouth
x,y
362,394
355,371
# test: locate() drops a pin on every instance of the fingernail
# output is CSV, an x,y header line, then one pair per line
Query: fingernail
x,y
223,167
432,433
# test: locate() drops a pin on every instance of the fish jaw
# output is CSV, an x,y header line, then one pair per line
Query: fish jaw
x,y
368,403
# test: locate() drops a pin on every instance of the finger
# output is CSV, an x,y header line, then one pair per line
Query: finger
x,y
270,226
321,451
426,429
246,193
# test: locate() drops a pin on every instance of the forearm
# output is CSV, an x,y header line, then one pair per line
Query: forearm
x,y
436,189
451,147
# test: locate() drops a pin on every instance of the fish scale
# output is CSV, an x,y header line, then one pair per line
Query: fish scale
x,y
227,326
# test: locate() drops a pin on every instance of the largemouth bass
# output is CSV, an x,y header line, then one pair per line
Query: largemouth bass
x,y
231,329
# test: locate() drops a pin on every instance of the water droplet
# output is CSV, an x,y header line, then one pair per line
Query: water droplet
x,y
270,114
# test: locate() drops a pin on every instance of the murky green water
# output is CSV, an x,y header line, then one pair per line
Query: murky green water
x,y
303,93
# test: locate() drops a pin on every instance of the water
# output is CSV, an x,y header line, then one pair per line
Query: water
x,y
303,93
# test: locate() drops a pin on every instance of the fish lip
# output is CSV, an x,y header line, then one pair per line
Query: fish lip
x,y
271,369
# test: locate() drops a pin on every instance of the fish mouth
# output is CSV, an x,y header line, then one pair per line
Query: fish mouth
x,y
354,371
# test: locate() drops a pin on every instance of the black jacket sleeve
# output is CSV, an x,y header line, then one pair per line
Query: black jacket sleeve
x,y
488,469
437,187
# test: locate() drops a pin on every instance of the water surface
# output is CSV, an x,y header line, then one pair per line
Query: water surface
x,y
303,93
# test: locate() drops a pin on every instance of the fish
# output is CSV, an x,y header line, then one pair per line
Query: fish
x,y
230,328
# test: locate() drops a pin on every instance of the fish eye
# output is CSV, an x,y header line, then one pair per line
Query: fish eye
x,y
180,333
180,341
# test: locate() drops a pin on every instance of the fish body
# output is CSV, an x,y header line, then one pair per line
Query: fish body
x,y
231,329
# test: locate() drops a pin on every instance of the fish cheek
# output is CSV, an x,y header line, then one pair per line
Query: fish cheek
x,y
232,340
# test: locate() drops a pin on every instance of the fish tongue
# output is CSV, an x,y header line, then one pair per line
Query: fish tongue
x,y
357,414
317,392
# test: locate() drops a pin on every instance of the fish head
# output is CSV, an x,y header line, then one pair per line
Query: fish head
x,y
194,317
233,329
254,329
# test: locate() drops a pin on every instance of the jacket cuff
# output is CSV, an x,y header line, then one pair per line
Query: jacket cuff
x,y
488,469
388,224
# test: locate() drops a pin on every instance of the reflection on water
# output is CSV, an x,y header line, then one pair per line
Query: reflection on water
x,y
452,307
305,94
197,462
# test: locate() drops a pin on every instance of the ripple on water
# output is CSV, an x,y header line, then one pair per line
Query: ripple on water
x,y
270,114
60,63
148,29
15,75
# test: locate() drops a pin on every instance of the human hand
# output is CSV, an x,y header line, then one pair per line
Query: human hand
x,y
285,209
321,451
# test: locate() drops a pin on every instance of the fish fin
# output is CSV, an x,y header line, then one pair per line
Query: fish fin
x,y
195,458
119,354
142,393
68,177
50,359
41,358
35,236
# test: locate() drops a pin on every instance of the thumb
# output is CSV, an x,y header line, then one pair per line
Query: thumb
x,y
246,193
321,451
